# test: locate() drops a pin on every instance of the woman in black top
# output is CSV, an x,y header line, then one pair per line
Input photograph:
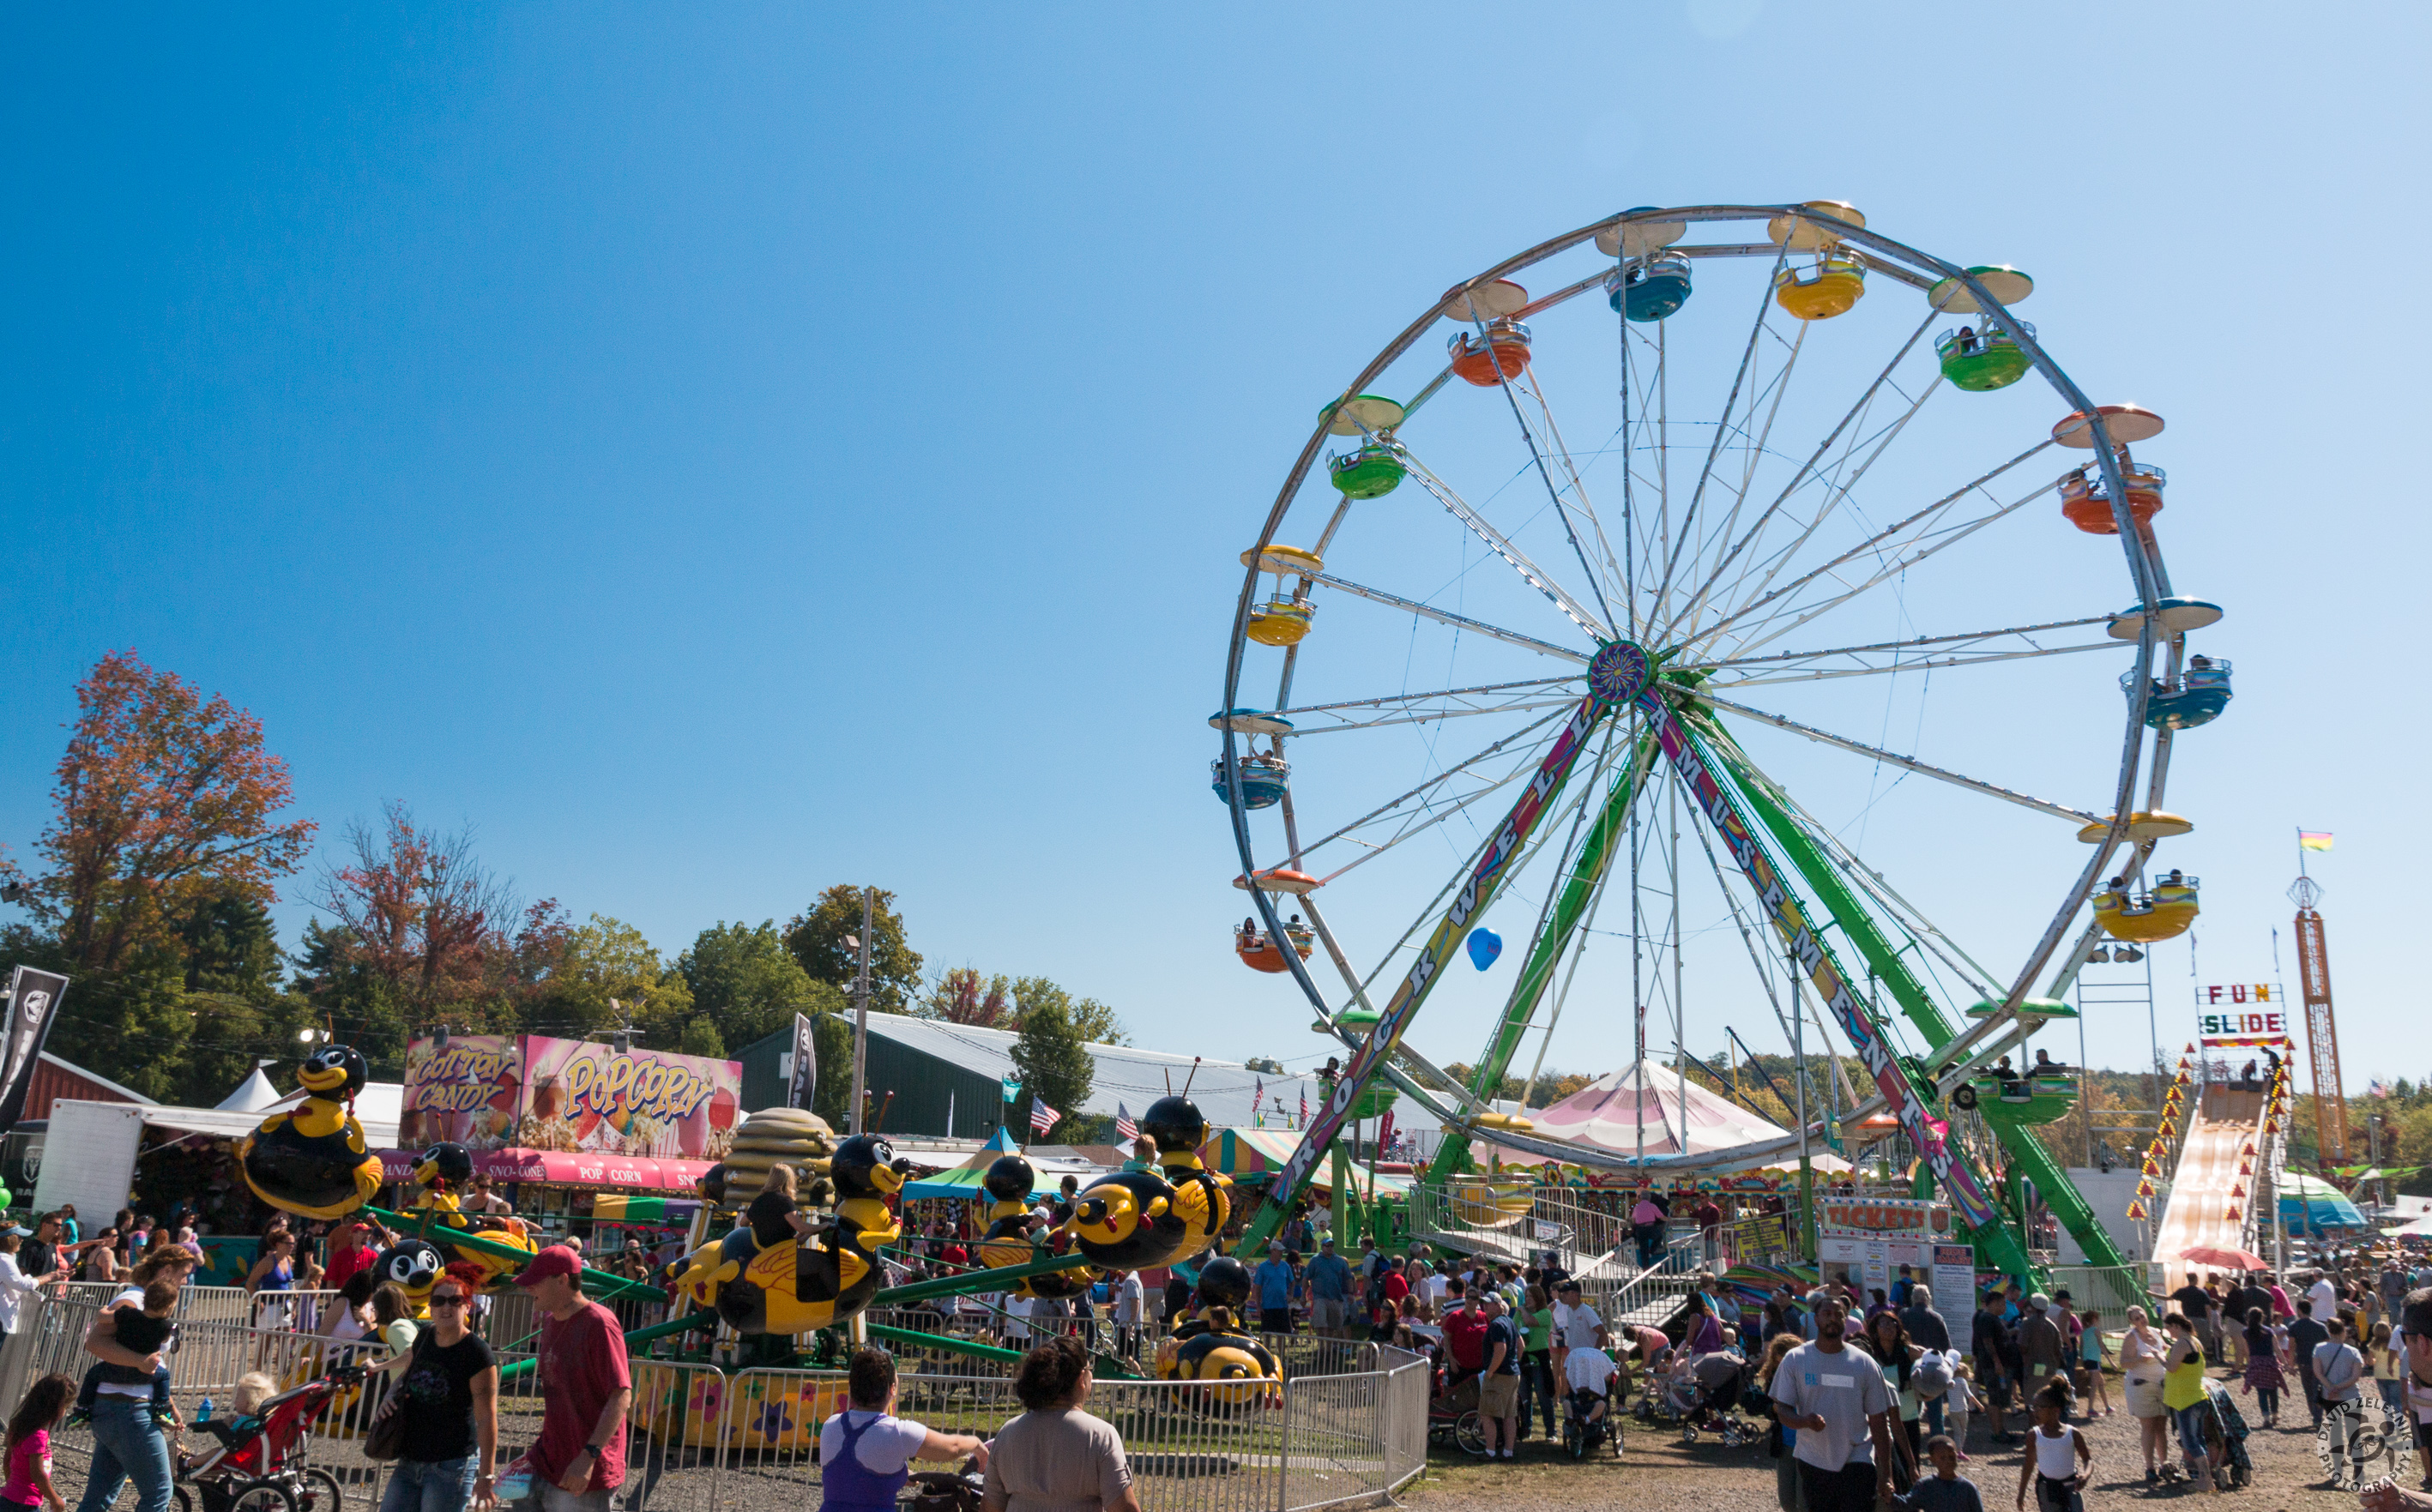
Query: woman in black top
x,y
773,1215
448,1389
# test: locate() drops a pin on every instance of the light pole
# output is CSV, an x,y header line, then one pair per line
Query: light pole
x,y
860,1009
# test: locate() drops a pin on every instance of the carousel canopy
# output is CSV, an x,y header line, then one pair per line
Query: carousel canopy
x,y
2313,1205
1608,1112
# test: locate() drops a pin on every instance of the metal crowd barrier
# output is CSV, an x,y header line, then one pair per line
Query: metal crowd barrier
x,y
1347,1422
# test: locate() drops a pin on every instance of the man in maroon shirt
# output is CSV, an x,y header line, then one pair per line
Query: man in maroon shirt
x,y
1464,1330
581,1456
349,1253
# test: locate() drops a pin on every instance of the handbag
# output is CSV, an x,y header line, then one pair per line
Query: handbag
x,y
385,1440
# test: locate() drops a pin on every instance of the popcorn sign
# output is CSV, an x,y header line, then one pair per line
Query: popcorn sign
x,y
530,1092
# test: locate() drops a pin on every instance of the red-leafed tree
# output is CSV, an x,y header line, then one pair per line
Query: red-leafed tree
x,y
962,996
422,915
163,797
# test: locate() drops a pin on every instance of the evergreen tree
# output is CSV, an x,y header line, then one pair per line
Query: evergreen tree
x,y
1054,1065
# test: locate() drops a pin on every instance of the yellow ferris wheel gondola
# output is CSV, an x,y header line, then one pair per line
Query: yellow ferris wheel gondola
x,y
2164,913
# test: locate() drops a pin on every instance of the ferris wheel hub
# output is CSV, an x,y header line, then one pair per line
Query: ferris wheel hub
x,y
1618,672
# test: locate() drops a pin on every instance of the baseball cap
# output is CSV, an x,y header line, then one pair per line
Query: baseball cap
x,y
2039,1302
18,1231
1327,1243
1275,1246
557,1260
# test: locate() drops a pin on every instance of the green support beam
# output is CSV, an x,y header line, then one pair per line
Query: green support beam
x,y
598,1283
974,1281
2029,1155
1596,849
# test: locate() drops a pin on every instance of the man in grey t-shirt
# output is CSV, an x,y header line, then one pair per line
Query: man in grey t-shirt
x,y
1836,1399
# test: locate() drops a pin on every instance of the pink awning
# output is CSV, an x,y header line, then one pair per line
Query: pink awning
x,y
566,1169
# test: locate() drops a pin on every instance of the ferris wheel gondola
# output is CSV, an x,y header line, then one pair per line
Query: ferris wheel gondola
x,y
1611,550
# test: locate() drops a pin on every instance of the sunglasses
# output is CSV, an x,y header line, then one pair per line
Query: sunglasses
x,y
446,1299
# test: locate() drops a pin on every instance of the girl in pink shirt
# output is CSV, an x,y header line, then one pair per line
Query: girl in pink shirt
x,y
29,1485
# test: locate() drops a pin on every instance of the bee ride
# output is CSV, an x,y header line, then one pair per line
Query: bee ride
x,y
312,1160
1648,546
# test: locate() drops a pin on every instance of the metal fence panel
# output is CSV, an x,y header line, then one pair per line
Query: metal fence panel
x,y
1348,1422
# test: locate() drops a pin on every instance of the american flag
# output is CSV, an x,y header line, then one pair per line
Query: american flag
x,y
1304,1107
1125,1130
1042,1117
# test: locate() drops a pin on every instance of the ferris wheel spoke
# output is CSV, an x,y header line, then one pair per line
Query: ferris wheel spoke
x,y
1790,616
1722,428
1859,747
1757,527
1445,616
1874,543
1854,870
1531,573
1535,727
1895,648
1434,817
1576,485
1428,716
1934,664
1392,699
1835,492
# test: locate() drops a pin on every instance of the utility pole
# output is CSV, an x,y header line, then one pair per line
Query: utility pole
x,y
860,1011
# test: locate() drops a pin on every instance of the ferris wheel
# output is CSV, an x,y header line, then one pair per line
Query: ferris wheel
x,y
1582,619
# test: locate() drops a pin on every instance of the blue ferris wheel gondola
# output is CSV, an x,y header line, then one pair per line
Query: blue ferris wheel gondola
x,y
1265,780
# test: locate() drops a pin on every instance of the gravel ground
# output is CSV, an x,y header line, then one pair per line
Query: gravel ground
x,y
1658,1470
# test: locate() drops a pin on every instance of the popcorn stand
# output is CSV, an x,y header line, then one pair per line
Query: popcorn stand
x,y
576,1134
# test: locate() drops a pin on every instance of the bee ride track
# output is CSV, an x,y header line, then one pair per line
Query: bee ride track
x,y
1607,683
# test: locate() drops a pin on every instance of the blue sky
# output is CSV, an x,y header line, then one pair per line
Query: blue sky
x,y
716,456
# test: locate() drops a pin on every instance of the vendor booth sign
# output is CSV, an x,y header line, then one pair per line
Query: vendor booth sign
x,y
529,1092
1863,1241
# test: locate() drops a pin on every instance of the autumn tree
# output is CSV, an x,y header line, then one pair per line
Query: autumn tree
x,y
420,911
818,939
961,995
162,797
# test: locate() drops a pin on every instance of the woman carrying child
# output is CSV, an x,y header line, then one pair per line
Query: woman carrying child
x,y
126,1435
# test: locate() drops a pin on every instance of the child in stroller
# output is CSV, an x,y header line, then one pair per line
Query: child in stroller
x,y
1592,1388
255,1461
1699,1391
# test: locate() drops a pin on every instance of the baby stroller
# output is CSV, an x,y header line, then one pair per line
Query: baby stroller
x,y
1581,1435
1704,1392
1452,1410
2226,1439
255,1461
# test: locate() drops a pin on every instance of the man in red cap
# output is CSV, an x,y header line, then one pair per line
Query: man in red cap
x,y
581,1456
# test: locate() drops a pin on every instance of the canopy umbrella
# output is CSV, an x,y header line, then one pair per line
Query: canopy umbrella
x,y
964,1180
2314,1205
1239,1153
2224,1259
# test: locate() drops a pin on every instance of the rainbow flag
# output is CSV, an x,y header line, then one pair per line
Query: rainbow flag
x,y
2313,839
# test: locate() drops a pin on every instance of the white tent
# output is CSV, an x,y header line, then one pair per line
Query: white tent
x,y
1607,1112
256,1093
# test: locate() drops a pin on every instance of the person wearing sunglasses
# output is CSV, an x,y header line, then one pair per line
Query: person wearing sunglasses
x,y
448,1388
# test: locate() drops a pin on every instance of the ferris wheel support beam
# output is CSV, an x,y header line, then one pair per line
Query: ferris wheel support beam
x,y
1470,902
1497,542
1555,932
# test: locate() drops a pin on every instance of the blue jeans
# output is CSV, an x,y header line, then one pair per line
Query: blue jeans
x,y
429,1485
126,1443
2191,1422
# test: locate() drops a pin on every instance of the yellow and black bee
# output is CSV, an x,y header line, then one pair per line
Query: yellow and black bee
x,y
311,1160
1126,1221
414,1266
1201,1196
1007,1240
794,1288
1213,1347
442,1169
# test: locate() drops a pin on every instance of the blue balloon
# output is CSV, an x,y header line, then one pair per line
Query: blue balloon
x,y
1484,946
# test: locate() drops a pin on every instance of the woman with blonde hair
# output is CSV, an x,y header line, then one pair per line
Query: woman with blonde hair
x,y
775,1214
2141,1357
